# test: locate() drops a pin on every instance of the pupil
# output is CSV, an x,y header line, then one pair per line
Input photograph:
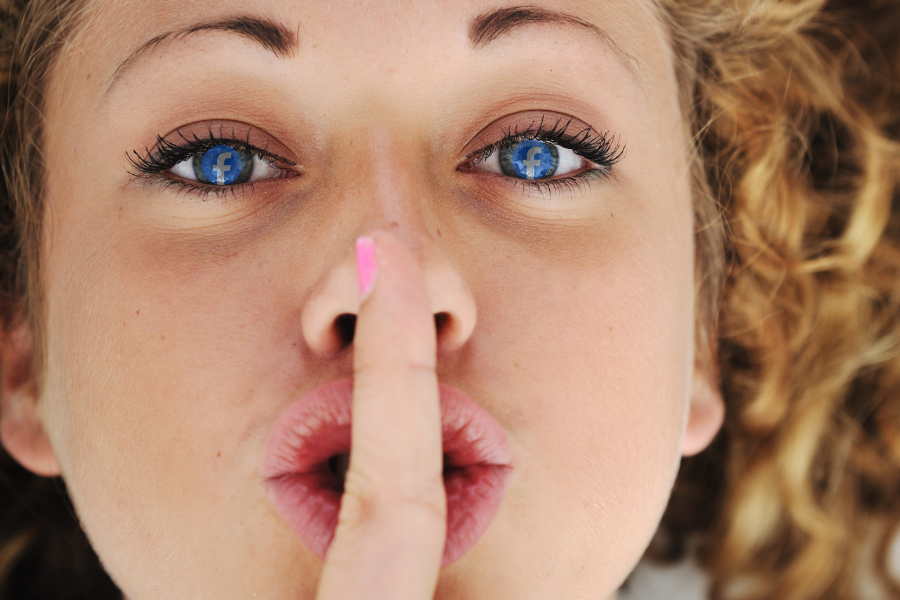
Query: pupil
x,y
529,159
223,165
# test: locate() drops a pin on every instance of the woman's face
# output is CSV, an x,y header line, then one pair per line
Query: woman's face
x,y
182,321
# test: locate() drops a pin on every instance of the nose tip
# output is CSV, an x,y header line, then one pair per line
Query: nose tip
x,y
329,316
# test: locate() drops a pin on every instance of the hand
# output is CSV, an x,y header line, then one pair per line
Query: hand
x,y
392,523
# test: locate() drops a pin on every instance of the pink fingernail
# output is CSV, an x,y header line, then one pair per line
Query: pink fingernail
x,y
366,265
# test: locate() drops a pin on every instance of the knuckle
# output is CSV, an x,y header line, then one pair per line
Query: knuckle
x,y
378,364
370,498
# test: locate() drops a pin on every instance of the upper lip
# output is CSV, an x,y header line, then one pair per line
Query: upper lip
x,y
317,426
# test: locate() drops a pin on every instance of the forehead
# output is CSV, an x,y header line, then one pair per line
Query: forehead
x,y
121,38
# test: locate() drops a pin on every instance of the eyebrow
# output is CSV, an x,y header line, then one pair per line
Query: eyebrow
x,y
272,36
282,42
488,27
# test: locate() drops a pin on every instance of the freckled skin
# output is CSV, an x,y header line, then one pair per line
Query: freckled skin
x,y
180,327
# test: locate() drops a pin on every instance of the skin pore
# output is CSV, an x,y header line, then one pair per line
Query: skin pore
x,y
182,322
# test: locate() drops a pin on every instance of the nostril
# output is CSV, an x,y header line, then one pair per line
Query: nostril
x,y
345,327
441,320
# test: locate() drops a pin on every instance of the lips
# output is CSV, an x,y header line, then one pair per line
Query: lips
x,y
316,428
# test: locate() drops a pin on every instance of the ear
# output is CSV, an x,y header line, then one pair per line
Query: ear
x,y
21,427
707,410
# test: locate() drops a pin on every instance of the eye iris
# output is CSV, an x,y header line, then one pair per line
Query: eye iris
x,y
530,159
223,165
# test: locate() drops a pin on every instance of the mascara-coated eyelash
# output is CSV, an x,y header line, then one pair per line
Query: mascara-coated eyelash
x,y
602,151
178,159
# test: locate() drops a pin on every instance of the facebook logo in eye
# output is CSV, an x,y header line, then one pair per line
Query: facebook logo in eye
x,y
532,159
221,165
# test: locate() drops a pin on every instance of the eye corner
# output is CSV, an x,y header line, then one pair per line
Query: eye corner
x,y
469,162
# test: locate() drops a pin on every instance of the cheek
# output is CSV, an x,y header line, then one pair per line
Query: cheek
x,y
164,376
604,359
594,358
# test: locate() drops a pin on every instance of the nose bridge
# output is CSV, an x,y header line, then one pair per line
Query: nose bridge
x,y
389,189
397,196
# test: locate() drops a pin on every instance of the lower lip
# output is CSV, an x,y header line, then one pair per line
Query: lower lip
x,y
310,501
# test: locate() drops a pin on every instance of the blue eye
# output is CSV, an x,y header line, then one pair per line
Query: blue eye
x,y
224,165
221,165
531,160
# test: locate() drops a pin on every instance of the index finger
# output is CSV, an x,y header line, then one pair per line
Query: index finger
x,y
392,523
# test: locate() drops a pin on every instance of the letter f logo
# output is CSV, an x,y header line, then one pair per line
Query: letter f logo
x,y
220,167
532,163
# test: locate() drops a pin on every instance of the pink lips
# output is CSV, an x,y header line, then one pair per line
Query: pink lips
x,y
317,427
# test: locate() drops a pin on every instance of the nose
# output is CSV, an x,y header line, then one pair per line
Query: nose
x,y
385,190
329,317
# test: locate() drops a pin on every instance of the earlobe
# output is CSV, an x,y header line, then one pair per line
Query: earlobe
x,y
707,413
21,427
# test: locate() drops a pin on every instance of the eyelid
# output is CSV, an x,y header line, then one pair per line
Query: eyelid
x,y
520,124
210,133
601,151
189,140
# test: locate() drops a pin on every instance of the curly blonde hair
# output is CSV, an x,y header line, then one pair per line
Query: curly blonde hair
x,y
795,123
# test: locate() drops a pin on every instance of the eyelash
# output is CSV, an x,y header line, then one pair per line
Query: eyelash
x,y
167,154
601,149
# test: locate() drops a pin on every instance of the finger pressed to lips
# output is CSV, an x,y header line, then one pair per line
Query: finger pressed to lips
x,y
314,432
396,449
394,503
